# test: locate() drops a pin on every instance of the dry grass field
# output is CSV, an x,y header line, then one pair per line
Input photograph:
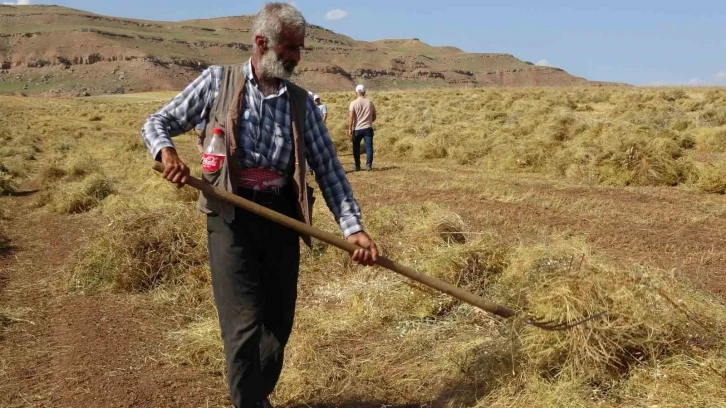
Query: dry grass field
x,y
559,202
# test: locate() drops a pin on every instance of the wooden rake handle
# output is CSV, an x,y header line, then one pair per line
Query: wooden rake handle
x,y
331,239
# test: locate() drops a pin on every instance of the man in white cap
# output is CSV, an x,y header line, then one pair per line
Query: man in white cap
x,y
322,107
360,126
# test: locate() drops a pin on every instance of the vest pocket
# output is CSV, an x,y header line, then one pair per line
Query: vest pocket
x,y
211,204
212,177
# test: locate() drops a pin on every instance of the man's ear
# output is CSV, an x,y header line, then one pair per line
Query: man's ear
x,y
261,43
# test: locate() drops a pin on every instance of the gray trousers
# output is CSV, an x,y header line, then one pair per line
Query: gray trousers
x,y
254,265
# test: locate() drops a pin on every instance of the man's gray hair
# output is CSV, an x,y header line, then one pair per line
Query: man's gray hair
x,y
273,18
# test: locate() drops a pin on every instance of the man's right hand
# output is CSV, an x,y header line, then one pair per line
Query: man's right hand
x,y
174,169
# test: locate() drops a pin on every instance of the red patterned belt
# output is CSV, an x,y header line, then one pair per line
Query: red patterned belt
x,y
261,179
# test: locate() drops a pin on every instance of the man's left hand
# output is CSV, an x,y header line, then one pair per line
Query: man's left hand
x,y
368,254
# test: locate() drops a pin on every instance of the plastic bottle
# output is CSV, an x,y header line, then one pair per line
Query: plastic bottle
x,y
214,154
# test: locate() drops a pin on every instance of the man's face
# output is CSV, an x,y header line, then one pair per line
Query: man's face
x,y
280,60
317,101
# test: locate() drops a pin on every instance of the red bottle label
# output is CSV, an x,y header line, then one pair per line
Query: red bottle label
x,y
212,162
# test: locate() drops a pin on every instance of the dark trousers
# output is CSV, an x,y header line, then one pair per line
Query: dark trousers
x,y
254,265
367,136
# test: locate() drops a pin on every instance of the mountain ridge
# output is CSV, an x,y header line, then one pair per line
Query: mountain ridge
x,y
54,49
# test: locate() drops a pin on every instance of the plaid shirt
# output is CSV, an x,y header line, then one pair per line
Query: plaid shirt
x,y
266,137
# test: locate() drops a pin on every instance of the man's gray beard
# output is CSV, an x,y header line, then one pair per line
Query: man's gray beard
x,y
272,67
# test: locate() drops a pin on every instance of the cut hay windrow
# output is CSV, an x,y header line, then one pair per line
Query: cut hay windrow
x,y
144,246
82,196
652,321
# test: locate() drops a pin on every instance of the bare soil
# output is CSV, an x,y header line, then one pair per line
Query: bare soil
x,y
82,351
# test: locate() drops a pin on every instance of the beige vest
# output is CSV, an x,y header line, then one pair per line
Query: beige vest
x,y
226,114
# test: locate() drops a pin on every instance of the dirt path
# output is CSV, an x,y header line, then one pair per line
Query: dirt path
x,y
82,351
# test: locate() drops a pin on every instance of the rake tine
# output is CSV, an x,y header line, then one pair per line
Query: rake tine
x,y
548,325
551,325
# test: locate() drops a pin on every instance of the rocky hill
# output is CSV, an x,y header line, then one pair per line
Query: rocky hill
x,y
57,50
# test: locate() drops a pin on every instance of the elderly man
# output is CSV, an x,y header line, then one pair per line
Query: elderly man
x,y
360,126
271,129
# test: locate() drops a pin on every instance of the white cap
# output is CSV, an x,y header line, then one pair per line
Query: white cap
x,y
360,88
316,97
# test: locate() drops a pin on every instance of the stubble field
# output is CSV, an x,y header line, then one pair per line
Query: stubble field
x,y
559,202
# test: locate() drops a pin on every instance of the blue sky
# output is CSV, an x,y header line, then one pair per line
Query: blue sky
x,y
638,42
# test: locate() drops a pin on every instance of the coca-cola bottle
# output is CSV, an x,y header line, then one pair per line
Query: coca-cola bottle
x,y
214,155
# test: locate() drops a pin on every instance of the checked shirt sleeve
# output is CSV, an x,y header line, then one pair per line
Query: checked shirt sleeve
x,y
329,173
182,113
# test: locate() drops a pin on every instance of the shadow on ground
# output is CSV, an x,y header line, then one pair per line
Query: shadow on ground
x,y
375,169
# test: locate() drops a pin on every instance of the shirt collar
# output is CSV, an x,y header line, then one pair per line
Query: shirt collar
x,y
282,88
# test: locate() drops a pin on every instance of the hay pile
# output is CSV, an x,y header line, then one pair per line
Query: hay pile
x,y
81,196
7,184
653,322
144,246
17,149
74,180
713,177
